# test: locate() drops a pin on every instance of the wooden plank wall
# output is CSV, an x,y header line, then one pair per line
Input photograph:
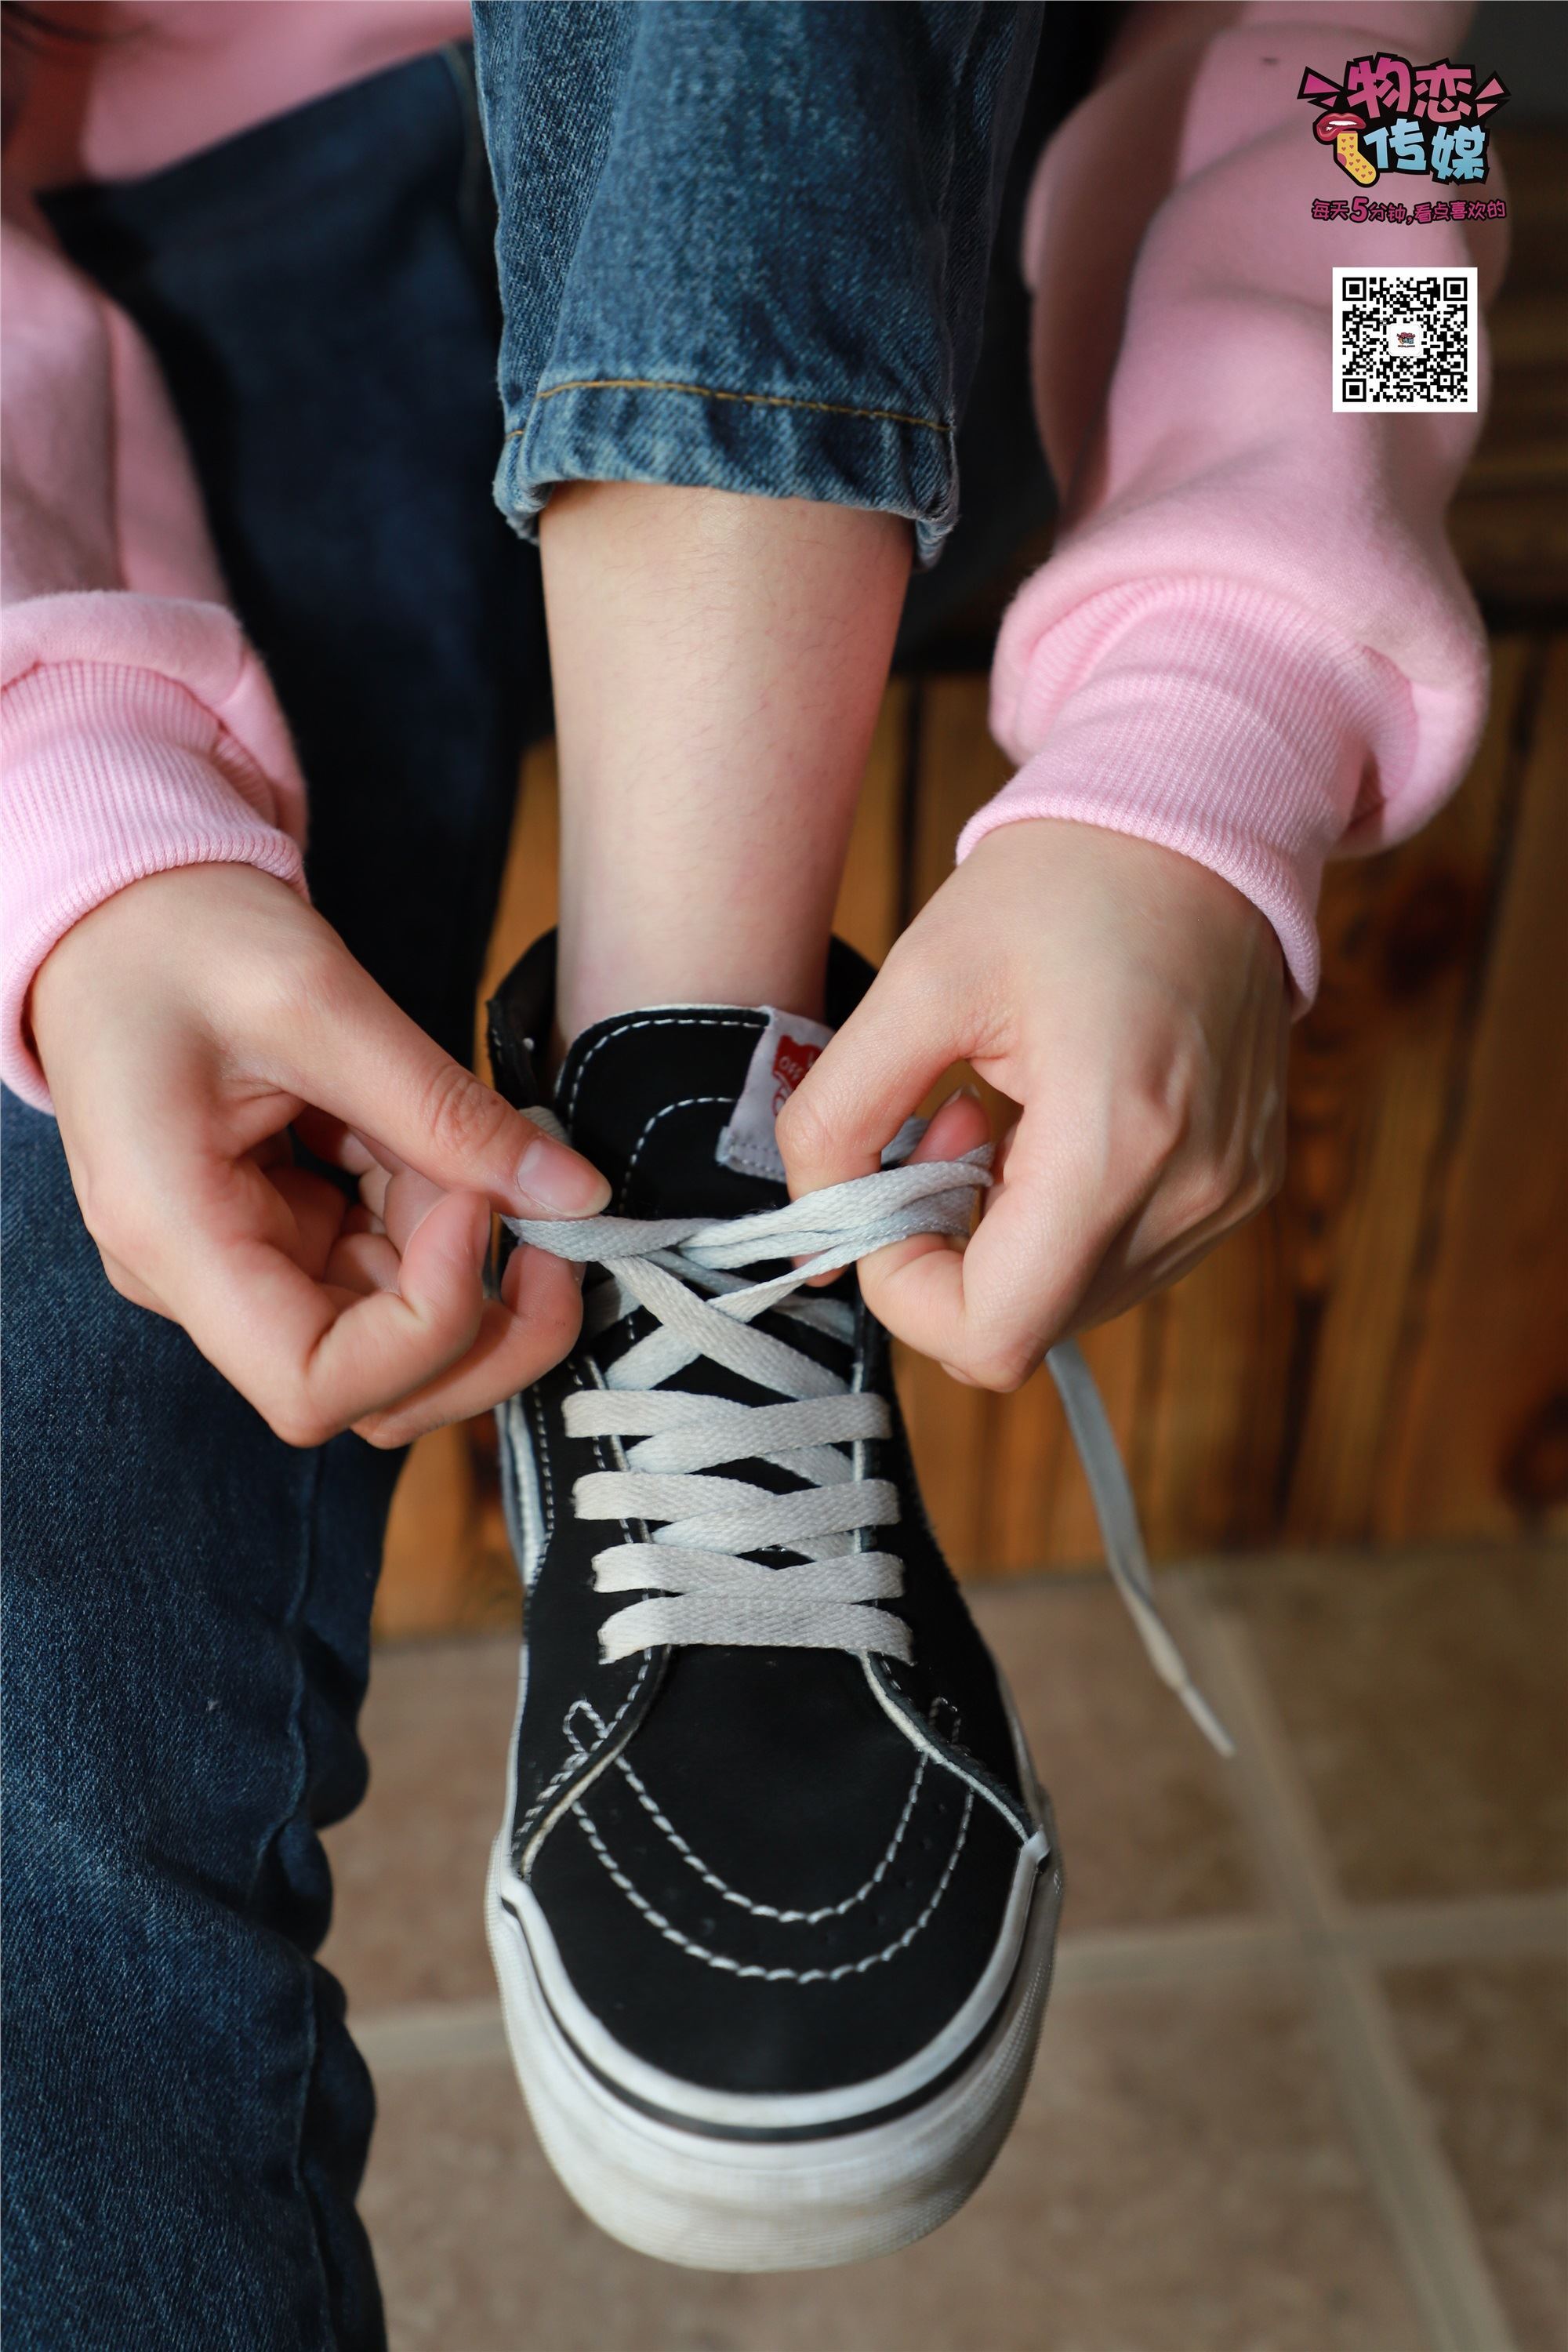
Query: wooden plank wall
x,y
1383,1355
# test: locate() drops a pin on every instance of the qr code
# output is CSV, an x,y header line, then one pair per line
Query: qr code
x,y
1404,339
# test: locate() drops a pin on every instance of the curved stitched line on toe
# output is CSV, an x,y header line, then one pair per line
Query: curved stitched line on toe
x,y
753,1968
721,1885
767,1910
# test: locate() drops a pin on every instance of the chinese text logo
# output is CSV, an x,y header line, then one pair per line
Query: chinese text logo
x,y
1388,115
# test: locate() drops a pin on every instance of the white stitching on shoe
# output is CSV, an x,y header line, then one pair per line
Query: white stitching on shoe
x,y
920,1736
779,1975
542,1455
767,1910
536,1408
579,1753
721,1885
686,1102
655,1020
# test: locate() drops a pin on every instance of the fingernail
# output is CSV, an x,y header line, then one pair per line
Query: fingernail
x,y
553,1180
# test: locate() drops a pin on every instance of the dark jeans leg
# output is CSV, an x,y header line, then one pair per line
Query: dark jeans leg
x,y
185,1609
188,1600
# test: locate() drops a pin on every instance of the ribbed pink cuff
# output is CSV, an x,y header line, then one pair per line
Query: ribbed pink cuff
x,y
112,773
1209,718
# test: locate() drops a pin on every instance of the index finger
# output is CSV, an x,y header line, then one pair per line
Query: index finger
x,y
373,1068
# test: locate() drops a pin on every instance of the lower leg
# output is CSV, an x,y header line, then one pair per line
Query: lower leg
x,y
719,662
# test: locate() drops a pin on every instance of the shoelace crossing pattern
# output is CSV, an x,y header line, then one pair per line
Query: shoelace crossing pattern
x,y
698,1585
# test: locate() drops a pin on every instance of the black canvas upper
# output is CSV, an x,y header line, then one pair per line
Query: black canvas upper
x,y
743,1783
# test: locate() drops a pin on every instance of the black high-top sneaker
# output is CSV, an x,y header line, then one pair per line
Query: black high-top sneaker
x,y
774,1904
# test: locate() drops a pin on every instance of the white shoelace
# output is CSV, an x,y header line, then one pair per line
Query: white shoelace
x,y
692,1562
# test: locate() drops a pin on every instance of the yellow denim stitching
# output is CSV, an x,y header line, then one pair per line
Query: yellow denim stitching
x,y
756,399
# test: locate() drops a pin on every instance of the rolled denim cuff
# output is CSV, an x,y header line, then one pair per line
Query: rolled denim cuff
x,y
774,445
746,248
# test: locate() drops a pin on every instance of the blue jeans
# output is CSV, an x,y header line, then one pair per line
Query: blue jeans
x,y
187,1601
747,246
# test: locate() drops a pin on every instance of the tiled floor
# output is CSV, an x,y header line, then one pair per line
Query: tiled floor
x,y
1304,2082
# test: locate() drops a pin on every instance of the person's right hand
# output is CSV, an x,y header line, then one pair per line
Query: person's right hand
x,y
185,1026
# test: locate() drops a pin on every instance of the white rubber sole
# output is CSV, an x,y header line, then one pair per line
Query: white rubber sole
x,y
731,2203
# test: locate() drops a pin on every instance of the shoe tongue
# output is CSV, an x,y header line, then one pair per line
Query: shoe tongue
x,y
676,1105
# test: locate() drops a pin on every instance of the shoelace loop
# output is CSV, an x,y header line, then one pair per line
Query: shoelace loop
x,y
701,1586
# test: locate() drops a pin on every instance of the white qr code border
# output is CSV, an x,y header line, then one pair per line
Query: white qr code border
x,y
1364,292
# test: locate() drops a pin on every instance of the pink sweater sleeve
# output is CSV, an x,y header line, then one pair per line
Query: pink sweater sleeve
x,y
137,727
1253,643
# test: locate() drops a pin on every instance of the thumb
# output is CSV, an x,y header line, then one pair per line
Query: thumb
x,y
370,1066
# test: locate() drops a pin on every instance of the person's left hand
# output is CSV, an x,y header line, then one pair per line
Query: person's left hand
x,y
1136,1006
